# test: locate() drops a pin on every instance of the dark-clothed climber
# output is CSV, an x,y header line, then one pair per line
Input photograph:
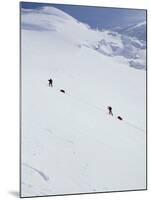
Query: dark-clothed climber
x,y
50,82
110,110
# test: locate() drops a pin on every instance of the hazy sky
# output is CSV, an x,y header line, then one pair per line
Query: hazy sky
x,y
97,17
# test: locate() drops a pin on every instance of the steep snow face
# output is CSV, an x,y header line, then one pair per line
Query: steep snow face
x,y
52,19
48,16
69,142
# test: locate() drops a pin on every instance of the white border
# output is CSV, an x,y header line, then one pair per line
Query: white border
x,y
9,98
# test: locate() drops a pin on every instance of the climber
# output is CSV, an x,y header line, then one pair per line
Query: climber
x,y
50,82
110,110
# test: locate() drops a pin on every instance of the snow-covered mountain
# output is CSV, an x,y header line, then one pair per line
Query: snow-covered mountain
x,y
132,50
136,30
106,42
69,142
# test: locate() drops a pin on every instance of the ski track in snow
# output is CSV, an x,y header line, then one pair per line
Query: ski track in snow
x,y
44,176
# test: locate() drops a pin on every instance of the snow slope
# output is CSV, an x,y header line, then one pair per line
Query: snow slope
x,y
69,142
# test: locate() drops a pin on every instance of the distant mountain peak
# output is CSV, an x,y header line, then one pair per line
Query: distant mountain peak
x,y
137,30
